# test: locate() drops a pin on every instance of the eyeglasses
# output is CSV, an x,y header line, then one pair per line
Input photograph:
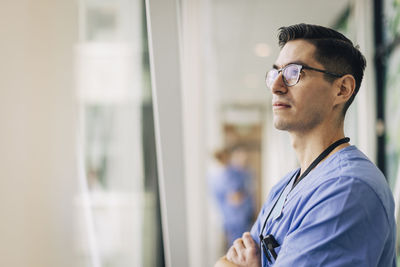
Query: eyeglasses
x,y
291,74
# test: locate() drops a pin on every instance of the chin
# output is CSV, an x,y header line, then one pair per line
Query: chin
x,y
280,125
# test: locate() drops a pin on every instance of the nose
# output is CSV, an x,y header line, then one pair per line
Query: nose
x,y
278,86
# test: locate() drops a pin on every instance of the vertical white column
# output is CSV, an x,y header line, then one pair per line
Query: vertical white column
x,y
37,137
366,107
213,132
162,23
193,90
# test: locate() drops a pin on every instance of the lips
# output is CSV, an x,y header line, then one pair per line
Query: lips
x,y
280,104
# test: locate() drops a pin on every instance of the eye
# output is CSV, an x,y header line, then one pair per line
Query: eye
x,y
291,74
292,71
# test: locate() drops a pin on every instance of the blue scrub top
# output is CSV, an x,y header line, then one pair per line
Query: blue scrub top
x,y
340,214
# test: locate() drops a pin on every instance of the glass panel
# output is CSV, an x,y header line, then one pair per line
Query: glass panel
x,y
118,211
392,94
392,101
392,122
392,117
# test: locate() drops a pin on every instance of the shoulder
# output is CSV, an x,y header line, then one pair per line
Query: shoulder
x,y
328,218
352,176
357,168
344,206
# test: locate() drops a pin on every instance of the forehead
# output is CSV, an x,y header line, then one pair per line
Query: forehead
x,y
297,51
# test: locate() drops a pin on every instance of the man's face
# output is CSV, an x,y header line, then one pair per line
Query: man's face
x,y
309,103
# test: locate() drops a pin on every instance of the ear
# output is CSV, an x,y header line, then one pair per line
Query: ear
x,y
345,89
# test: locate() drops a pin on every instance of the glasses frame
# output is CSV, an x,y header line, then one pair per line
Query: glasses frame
x,y
300,67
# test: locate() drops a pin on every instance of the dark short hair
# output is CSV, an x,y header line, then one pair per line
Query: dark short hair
x,y
333,50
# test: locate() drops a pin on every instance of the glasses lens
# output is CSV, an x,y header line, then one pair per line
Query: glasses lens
x,y
271,77
291,74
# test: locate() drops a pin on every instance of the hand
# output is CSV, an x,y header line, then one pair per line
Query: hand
x,y
244,252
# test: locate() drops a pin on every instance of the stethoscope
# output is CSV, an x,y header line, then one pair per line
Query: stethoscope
x,y
268,242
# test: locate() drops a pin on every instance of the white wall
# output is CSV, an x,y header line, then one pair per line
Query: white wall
x,y
37,118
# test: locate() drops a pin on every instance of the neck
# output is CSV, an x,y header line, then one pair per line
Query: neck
x,y
308,146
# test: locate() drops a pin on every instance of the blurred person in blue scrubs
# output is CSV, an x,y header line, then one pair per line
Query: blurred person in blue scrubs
x,y
232,188
337,208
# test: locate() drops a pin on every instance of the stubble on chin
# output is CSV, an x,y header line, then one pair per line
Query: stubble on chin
x,y
298,125
280,124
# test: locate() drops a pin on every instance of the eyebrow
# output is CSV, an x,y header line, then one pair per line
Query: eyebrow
x,y
299,62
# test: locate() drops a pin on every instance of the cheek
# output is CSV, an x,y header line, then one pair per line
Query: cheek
x,y
313,103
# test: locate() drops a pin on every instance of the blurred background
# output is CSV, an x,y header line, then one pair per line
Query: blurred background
x,y
132,132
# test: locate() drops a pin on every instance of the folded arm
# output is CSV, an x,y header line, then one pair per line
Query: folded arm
x,y
223,262
243,253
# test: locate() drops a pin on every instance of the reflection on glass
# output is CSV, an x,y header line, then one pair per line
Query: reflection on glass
x,y
118,211
392,101
392,93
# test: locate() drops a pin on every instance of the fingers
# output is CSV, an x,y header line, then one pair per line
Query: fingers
x,y
236,253
232,254
244,252
248,240
240,249
238,244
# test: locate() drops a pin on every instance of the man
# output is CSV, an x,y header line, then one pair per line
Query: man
x,y
336,209
232,188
